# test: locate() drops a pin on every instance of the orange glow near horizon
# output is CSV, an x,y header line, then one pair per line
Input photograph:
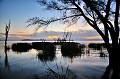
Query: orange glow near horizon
x,y
31,30
21,30
19,36
52,37
93,37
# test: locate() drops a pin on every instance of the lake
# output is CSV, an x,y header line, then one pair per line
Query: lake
x,y
32,64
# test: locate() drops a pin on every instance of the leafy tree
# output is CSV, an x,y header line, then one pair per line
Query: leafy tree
x,y
95,13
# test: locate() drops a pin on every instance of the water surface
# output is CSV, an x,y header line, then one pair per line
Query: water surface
x,y
24,65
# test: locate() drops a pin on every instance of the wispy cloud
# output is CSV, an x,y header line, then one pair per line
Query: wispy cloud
x,y
15,36
81,35
93,37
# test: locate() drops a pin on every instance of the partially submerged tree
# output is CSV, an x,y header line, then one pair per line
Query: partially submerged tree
x,y
95,13
7,28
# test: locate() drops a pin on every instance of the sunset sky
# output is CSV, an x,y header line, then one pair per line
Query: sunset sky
x,y
19,11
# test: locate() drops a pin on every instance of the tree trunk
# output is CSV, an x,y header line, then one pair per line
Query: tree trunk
x,y
113,69
115,62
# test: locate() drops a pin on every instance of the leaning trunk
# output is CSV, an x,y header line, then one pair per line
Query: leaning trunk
x,y
6,40
113,69
114,60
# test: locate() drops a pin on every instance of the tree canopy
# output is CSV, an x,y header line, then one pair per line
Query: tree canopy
x,y
95,13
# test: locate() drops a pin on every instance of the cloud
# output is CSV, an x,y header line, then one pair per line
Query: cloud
x,y
20,36
15,36
81,35
93,37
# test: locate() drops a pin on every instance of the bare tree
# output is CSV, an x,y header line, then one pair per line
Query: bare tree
x,y
67,35
95,13
7,28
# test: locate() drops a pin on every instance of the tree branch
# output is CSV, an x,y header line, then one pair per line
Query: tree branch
x,y
103,20
89,3
91,22
89,13
41,22
107,9
65,8
106,16
116,18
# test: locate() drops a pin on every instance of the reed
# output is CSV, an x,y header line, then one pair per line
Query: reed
x,y
59,73
45,46
21,47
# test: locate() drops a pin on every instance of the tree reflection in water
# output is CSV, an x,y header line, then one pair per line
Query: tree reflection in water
x,y
71,50
7,66
46,56
58,72
46,51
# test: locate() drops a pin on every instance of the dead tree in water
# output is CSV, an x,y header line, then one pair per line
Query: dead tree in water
x,y
67,35
7,28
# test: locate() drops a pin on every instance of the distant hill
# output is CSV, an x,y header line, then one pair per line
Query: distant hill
x,y
32,40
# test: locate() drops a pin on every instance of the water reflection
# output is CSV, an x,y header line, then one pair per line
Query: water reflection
x,y
7,66
46,52
58,72
71,54
46,56
71,50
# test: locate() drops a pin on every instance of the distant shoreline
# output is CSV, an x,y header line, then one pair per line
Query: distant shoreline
x,y
82,42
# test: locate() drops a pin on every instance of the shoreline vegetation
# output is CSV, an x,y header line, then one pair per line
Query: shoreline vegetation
x,y
46,50
67,48
41,45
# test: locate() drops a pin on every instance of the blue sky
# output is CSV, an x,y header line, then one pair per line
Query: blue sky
x,y
19,11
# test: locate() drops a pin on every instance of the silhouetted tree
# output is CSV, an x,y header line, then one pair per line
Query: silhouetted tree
x,y
7,28
95,13
7,65
67,35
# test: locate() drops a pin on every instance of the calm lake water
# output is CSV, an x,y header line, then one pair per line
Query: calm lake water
x,y
26,65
